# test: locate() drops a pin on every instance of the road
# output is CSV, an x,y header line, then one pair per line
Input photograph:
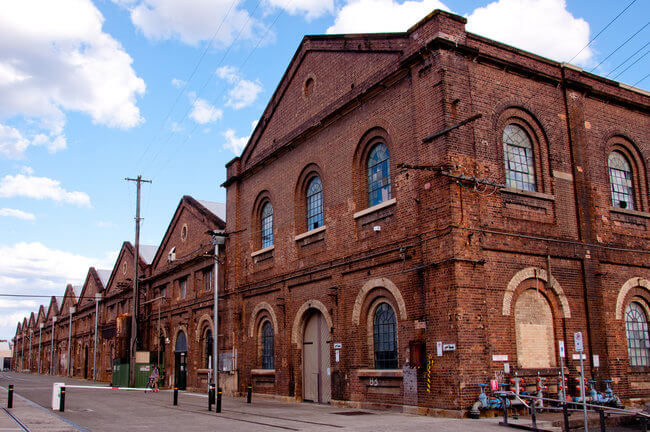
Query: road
x,y
122,411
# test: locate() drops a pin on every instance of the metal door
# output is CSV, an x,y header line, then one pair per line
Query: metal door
x,y
180,373
316,360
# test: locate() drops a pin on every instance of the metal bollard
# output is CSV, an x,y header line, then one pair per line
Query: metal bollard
x,y
533,415
601,413
504,401
62,403
565,414
219,400
644,424
210,397
175,396
249,394
10,397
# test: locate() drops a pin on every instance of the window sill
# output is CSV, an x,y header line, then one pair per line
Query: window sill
x,y
630,212
267,372
262,251
203,371
380,373
540,195
310,233
375,208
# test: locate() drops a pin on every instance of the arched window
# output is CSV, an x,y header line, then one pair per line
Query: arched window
x,y
385,337
208,349
378,175
638,341
267,345
314,204
518,157
267,225
620,179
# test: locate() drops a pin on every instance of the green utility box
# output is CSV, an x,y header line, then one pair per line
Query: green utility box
x,y
120,374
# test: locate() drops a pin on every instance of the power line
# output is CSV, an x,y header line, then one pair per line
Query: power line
x,y
620,46
627,59
636,83
600,32
633,63
187,82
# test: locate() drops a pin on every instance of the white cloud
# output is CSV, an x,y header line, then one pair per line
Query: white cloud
x,y
104,224
380,16
55,57
203,112
18,214
178,83
311,8
27,170
13,143
544,27
40,188
233,143
192,21
244,92
33,268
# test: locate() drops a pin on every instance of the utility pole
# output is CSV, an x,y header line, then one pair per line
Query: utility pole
x,y
134,316
218,238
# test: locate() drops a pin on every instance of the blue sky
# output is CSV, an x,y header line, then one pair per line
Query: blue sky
x,y
95,91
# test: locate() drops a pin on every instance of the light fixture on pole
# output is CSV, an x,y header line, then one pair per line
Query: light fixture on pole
x,y
218,238
98,298
40,336
72,310
52,347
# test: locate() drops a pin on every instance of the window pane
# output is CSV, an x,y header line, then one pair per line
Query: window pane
x,y
314,204
207,280
620,179
267,345
267,225
208,349
638,341
385,337
518,155
378,175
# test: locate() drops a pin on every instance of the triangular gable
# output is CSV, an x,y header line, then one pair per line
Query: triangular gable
x,y
19,329
122,273
52,310
40,317
197,218
92,285
69,300
339,65
32,321
24,326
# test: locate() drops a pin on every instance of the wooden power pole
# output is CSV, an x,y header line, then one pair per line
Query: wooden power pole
x,y
134,309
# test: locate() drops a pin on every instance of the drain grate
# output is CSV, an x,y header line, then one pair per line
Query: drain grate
x,y
353,413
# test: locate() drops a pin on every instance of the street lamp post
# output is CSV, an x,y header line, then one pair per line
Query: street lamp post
x,y
218,238
29,361
98,298
52,347
40,337
72,310
22,351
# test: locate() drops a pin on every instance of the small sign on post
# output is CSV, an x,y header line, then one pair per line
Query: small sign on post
x,y
577,338
562,351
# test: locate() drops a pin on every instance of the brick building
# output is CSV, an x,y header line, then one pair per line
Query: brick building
x,y
434,186
415,213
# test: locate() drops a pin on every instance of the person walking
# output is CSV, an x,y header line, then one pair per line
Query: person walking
x,y
153,379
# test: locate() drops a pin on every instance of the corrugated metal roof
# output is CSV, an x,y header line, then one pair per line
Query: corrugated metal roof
x,y
147,253
218,209
104,276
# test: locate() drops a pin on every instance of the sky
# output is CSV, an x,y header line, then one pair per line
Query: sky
x,y
95,91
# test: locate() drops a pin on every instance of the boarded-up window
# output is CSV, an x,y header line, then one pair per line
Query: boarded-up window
x,y
534,331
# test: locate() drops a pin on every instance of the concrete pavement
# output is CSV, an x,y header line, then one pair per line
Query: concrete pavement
x,y
120,411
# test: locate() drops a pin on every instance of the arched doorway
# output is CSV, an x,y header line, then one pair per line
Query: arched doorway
x,y
316,359
180,361
86,362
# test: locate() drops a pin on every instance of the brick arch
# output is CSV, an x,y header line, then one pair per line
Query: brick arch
x,y
373,284
199,326
531,273
625,289
259,308
180,328
299,320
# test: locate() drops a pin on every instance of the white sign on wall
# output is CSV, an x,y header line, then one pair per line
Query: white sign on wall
x,y
439,348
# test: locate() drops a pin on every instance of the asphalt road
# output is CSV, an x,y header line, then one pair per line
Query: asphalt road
x,y
122,411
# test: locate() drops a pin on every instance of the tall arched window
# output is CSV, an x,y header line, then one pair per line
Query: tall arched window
x,y
267,345
385,337
518,156
378,175
638,341
208,349
314,204
267,225
620,179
